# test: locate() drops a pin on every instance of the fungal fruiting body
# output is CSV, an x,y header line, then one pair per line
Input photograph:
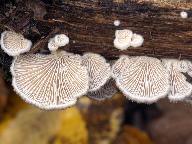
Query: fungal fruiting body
x,y
123,39
52,81
180,88
99,70
189,71
61,40
106,91
58,41
14,44
117,23
137,40
119,66
184,14
144,80
52,45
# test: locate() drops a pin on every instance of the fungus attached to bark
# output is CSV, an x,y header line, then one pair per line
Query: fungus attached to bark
x,y
106,91
58,41
119,65
61,40
50,81
14,44
99,70
123,39
137,40
117,23
52,46
184,14
180,88
144,80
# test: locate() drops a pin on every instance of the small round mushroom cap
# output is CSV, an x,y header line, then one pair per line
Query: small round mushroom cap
x,y
14,44
106,91
137,40
52,81
52,45
61,40
145,80
119,65
180,88
184,14
123,39
116,22
99,70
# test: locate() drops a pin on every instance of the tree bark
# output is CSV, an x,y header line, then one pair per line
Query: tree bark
x,y
89,24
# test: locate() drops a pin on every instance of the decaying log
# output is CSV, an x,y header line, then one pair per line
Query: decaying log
x,y
89,24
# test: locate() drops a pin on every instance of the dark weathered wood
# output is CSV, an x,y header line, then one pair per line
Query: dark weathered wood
x,y
89,24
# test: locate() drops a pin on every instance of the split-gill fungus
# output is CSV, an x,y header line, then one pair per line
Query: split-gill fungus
x,y
14,44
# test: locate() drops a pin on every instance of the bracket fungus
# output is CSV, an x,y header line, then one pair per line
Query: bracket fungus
x,y
58,41
99,70
137,40
116,22
144,80
123,39
52,81
14,44
106,91
180,88
184,14
119,65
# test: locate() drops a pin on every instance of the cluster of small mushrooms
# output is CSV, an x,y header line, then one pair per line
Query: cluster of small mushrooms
x,y
57,80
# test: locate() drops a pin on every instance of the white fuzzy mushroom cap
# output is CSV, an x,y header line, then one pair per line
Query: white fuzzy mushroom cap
x,y
137,40
52,81
14,44
145,80
123,39
180,88
61,40
119,66
98,69
184,14
52,46
179,65
105,92
117,23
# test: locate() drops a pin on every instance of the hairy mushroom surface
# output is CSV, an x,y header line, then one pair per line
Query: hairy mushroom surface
x,y
180,88
119,66
106,91
52,81
14,44
99,70
145,80
137,40
123,39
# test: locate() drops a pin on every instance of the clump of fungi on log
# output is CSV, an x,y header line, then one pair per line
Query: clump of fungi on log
x,y
58,79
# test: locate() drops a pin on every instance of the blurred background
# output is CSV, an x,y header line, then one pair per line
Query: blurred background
x,y
113,121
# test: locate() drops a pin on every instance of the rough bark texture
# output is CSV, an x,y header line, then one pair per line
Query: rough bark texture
x,y
89,24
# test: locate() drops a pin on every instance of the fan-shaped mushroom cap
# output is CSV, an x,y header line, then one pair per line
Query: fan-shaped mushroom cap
x,y
61,40
180,88
14,44
189,71
98,69
137,40
52,45
180,65
119,65
144,80
50,81
123,39
106,91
